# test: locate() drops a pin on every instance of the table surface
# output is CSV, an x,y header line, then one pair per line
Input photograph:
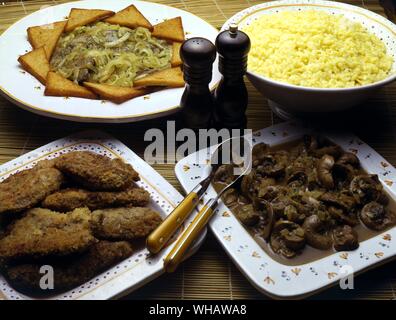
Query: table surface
x,y
210,274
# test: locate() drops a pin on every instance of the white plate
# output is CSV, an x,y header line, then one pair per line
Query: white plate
x,y
138,269
25,91
279,280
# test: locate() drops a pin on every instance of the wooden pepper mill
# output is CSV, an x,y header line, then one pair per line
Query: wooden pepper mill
x,y
231,97
198,55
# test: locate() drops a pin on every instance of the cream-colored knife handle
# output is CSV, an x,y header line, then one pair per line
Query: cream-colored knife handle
x,y
177,253
158,238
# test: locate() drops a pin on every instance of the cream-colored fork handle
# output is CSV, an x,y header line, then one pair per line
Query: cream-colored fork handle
x,y
177,253
159,237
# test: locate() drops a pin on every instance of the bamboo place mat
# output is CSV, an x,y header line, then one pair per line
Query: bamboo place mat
x,y
209,274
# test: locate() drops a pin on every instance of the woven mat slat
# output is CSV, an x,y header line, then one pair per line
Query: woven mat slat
x,y
209,273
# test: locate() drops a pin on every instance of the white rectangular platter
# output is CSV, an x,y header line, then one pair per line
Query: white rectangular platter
x,y
139,268
267,275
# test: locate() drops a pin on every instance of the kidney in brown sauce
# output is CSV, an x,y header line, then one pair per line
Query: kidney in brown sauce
x,y
313,186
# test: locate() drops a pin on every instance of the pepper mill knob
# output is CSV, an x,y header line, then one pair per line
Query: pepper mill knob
x,y
233,43
198,55
233,47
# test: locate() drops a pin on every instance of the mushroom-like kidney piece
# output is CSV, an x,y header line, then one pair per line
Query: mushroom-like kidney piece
x,y
248,215
366,188
297,181
348,158
248,185
331,150
279,204
345,166
262,186
270,192
292,214
348,217
272,165
285,206
230,197
345,238
374,216
258,153
287,238
316,233
341,207
253,186
340,200
319,146
324,171
267,219
225,173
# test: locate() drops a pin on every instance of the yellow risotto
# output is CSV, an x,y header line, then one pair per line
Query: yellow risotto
x,y
316,49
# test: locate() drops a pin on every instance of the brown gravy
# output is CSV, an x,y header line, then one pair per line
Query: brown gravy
x,y
309,254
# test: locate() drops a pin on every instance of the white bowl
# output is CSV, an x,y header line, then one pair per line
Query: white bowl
x,y
290,100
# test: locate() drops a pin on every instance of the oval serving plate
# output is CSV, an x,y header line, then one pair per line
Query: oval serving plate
x,y
140,268
269,276
26,92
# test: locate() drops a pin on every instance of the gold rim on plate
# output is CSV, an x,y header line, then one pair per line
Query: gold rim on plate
x,y
70,117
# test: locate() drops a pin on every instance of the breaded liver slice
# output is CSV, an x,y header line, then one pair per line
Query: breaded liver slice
x,y
72,272
27,188
124,223
97,172
70,199
42,232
